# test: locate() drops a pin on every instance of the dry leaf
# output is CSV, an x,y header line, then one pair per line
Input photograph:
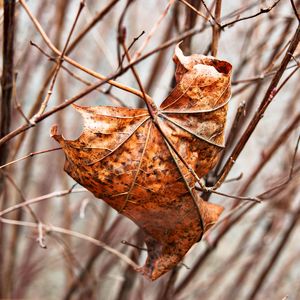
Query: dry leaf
x,y
135,163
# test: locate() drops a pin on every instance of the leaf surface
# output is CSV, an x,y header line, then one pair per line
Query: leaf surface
x,y
146,167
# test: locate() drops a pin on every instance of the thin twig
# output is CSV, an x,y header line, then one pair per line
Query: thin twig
x,y
275,255
121,59
243,198
287,79
134,246
74,63
295,10
199,13
55,109
268,153
262,11
148,101
290,176
50,228
153,30
41,198
211,15
237,178
34,216
18,105
268,98
99,16
86,82
29,155
229,224
58,65
216,30
129,47
259,77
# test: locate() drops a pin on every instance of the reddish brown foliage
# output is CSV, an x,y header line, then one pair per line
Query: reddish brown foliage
x,y
145,167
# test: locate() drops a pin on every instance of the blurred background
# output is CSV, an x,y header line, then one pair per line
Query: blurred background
x,y
254,251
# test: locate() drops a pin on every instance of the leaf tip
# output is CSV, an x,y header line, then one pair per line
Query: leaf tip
x,y
179,56
76,106
54,133
211,213
54,130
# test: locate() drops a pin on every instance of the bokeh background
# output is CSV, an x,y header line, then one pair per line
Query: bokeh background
x,y
254,252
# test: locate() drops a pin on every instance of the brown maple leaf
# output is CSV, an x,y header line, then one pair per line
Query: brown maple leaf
x,y
146,166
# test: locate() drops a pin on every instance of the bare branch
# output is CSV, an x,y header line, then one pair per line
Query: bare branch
x,y
50,228
262,11
269,96
295,10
